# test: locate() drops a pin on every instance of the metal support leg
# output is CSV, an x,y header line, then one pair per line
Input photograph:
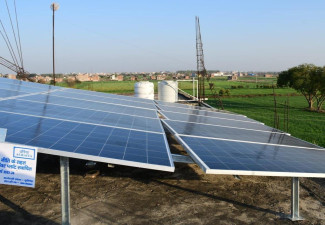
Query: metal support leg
x,y
3,134
65,190
295,200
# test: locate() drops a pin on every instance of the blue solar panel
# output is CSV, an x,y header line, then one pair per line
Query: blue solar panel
x,y
80,115
85,141
84,104
192,107
210,132
101,99
18,88
97,128
108,95
4,93
228,157
205,113
189,118
27,86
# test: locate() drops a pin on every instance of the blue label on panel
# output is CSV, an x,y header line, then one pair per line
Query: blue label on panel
x,y
24,153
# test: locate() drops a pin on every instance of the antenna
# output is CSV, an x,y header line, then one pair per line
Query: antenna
x,y
201,71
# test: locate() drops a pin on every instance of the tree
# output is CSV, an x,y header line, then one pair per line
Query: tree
x,y
320,82
302,78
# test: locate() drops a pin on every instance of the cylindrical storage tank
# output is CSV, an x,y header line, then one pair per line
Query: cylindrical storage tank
x,y
168,91
144,89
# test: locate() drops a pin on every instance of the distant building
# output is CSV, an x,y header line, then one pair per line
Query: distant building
x,y
120,77
161,77
12,76
47,79
234,77
268,75
58,79
95,78
82,77
187,77
218,74
133,78
153,77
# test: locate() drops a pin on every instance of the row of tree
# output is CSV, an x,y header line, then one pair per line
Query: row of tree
x,y
307,79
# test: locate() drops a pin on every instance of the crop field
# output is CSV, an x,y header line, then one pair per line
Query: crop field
x,y
247,97
306,125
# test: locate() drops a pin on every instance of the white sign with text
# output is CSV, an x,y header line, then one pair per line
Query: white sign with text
x,y
17,165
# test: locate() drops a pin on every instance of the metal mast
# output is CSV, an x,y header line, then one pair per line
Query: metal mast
x,y
201,71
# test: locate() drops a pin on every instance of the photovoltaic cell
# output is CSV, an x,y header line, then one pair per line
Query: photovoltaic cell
x,y
78,96
84,141
190,118
108,95
83,104
210,132
28,86
80,115
205,113
5,93
227,157
105,130
193,107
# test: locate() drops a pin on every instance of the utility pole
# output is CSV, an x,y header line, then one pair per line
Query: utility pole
x,y
54,7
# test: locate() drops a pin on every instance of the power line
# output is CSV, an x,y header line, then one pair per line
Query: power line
x,y
12,52
21,52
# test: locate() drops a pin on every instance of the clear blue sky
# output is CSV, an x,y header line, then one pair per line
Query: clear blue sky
x,y
116,36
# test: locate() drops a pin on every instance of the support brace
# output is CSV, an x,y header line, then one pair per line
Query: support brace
x,y
182,159
65,190
295,200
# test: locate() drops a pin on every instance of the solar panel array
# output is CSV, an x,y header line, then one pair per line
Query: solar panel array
x,y
224,143
127,131
82,124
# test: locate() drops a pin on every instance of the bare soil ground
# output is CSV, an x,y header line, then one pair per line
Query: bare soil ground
x,y
125,195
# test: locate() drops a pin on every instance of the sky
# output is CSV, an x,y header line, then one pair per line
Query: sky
x,y
146,36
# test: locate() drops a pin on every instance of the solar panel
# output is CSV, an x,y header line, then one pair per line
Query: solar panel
x,y
108,95
85,129
90,142
86,104
32,87
205,113
186,106
244,135
80,115
189,118
77,96
228,157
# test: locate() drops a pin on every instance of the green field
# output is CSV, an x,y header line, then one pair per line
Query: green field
x,y
249,86
306,125
252,101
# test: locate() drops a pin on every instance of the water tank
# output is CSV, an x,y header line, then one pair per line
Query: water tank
x,y
168,91
144,89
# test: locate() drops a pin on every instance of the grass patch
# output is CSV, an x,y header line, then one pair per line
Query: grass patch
x,y
306,125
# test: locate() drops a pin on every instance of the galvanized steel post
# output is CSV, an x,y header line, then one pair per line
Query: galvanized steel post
x,y
65,190
295,200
